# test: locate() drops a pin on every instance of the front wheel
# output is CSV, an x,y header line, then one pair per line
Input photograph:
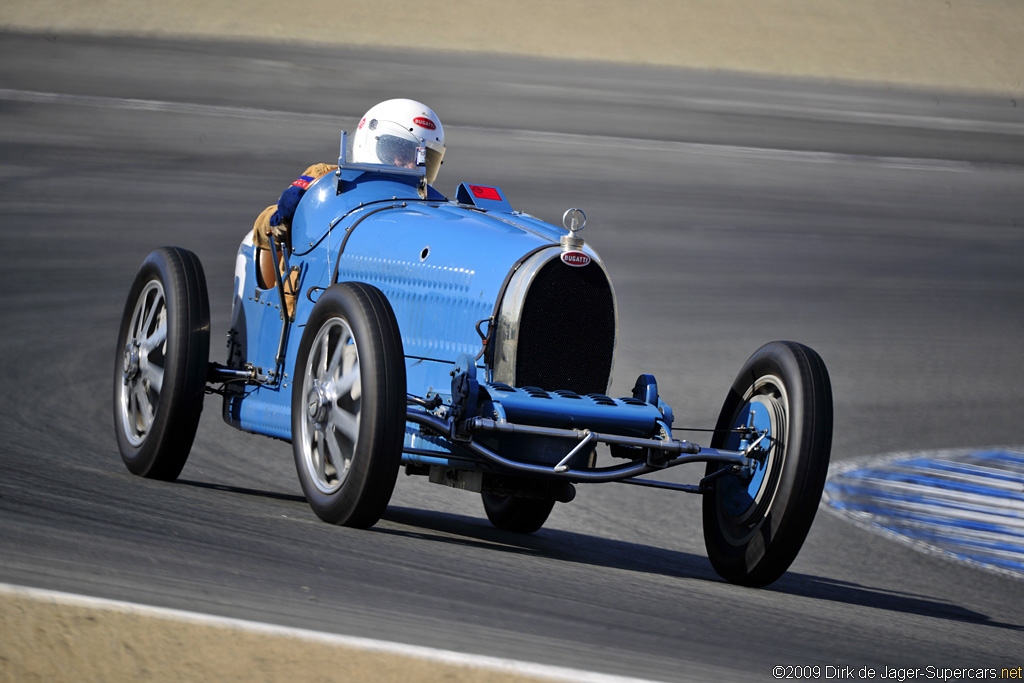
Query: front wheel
x,y
755,522
163,347
348,405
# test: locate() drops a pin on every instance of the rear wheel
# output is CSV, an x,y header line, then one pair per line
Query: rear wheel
x,y
511,513
163,347
348,405
756,522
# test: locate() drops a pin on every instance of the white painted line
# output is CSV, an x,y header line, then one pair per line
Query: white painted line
x,y
739,151
547,137
449,657
841,109
134,104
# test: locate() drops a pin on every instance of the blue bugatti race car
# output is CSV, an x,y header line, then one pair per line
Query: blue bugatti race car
x,y
407,330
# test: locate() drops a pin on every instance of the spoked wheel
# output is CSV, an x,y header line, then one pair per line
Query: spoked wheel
x,y
348,405
160,372
522,515
755,522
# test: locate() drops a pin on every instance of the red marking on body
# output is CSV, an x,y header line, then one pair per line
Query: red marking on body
x,y
481,192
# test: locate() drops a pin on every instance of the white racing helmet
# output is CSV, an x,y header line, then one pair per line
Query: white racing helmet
x,y
392,131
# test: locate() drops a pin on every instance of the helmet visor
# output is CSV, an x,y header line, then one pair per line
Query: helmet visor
x,y
396,151
399,151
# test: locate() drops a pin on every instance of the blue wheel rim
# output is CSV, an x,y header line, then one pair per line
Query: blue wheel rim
x,y
740,494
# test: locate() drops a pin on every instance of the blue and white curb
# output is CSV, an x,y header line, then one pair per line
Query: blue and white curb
x,y
967,505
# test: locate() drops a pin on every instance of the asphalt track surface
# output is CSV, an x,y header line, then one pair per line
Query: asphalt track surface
x,y
883,228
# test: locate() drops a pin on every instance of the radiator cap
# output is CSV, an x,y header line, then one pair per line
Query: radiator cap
x,y
574,221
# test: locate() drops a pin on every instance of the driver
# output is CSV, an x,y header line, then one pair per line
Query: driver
x,y
390,133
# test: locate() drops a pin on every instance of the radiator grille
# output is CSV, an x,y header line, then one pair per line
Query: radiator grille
x,y
567,330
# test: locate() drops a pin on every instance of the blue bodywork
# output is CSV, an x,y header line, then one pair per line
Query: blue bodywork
x,y
507,324
441,264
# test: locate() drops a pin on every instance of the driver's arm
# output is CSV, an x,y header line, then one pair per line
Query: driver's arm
x,y
277,219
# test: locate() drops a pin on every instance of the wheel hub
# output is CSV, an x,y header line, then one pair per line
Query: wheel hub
x,y
763,424
130,362
317,405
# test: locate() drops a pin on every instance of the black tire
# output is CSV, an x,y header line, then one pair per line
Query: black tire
x,y
522,515
754,528
348,427
163,348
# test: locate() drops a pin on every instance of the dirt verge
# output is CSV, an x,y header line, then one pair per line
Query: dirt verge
x,y
958,45
49,636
